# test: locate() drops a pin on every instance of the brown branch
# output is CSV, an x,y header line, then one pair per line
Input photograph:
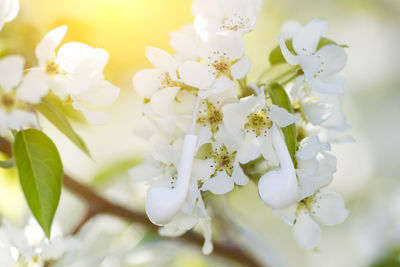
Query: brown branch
x,y
98,204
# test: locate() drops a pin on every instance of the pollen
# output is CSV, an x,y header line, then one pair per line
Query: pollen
x,y
211,116
221,64
223,160
52,69
8,101
258,123
167,81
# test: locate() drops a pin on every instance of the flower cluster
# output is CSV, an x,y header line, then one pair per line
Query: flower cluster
x,y
209,131
29,247
74,74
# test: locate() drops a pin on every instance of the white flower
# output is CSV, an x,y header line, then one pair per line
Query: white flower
x,y
326,208
75,72
224,53
225,15
321,68
315,166
28,246
161,84
186,43
16,96
220,170
250,120
8,11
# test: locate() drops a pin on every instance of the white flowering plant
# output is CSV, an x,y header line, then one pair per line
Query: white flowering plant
x,y
210,129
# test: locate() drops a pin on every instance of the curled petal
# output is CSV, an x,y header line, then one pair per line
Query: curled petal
x,y
162,61
240,69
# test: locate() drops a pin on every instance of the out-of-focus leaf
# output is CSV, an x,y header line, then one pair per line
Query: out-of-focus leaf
x,y
113,170
40,172
276,57
57,118
66,108
280,98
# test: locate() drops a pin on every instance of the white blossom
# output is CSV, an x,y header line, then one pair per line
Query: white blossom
x,y
321,67
16,98
74,72
225,15
8,11
250,120
29,246
326,208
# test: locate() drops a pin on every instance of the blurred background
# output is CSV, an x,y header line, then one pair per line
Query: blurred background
x,y
368,174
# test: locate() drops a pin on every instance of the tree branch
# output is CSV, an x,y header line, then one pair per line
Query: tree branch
x,y
98,204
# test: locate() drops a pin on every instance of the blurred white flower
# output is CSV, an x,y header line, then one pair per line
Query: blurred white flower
x,y
29,246
73,73
8,11
225,15
16,96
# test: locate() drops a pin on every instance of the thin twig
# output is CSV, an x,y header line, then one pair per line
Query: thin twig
x,y
98,204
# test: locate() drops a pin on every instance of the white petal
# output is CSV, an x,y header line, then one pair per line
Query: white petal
x,y
162,101
45,49
59,246
228,44
219,185
290,28
307,184
147,81
240,69
185,42
93,117
101,93
288,214
281,116
317,112
34,86
330,85
306,231
11,9
334,59
306,40
162,61
309,148
195,74
11,70
289,57
329,208
20,119
250,149
223,136
146,171
221,85
238,175
310,65
203,169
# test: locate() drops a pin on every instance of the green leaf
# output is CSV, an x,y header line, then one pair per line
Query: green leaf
x,y
40,172
7,164
57,118
280,98
276,57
